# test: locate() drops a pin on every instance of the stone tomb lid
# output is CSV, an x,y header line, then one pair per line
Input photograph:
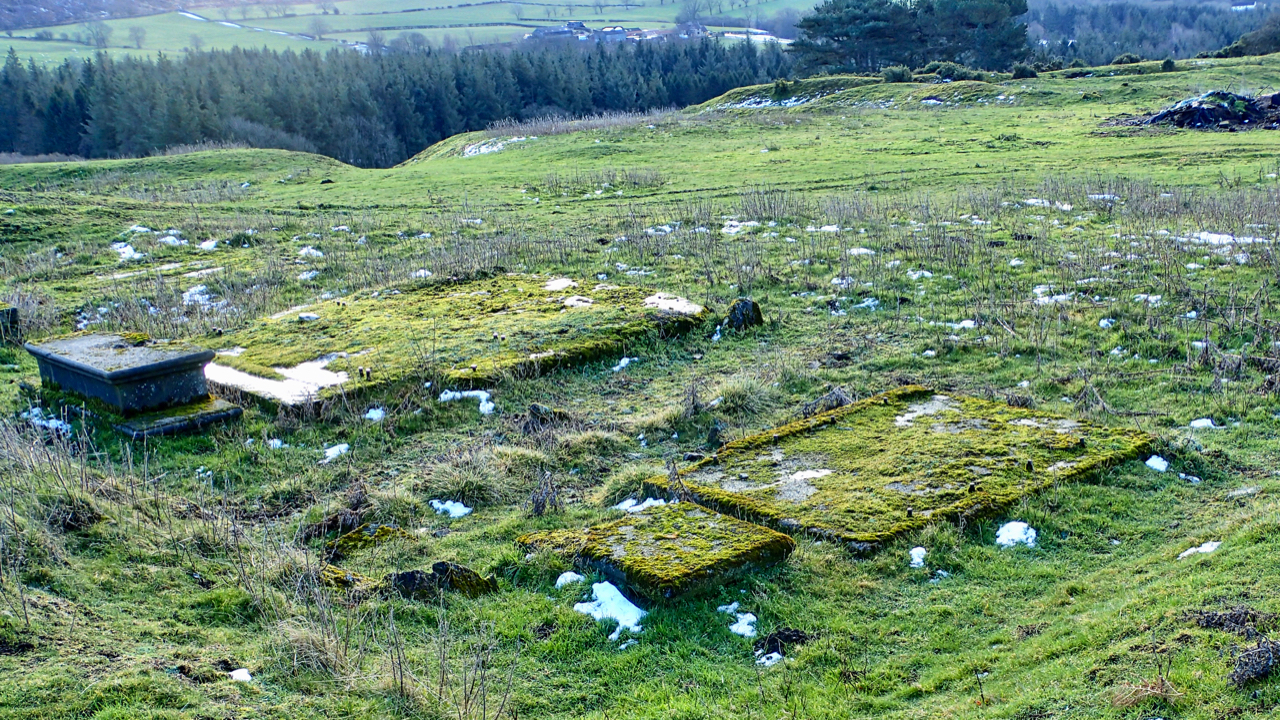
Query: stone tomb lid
x,y
119,358
665,550
866,472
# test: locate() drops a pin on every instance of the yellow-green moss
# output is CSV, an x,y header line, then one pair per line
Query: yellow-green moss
x,y
339,579
470,333
666,550
365,536
871,470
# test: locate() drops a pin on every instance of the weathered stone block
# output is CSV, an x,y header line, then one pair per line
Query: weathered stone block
x,y
129,374
866,472
666,550
744,313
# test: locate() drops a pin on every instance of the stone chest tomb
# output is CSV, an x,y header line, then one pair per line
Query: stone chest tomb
x,y
130,374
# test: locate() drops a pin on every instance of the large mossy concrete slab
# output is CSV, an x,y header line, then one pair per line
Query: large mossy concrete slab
x,y
864,473
665,550
465,333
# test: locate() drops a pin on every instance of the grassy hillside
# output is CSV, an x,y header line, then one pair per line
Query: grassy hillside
x,y
1006,240
256,26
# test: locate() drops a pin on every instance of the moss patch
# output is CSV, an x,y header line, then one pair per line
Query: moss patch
x,y
666,550
365,536
469,333
864,473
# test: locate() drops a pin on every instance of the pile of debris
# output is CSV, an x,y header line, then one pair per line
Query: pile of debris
x,y
1221,110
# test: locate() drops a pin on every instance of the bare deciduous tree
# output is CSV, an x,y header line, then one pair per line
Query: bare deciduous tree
x,y
318,28
99,33
137,36
196,42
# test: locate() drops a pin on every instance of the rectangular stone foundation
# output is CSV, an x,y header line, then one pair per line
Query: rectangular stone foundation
x,y
864,473
666,550
128,375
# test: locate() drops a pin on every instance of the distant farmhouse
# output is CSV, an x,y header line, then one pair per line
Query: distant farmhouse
x,y
575,31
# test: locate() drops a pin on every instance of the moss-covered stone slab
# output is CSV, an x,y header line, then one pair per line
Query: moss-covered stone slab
x,y
666,550
468,333
180,419
866,472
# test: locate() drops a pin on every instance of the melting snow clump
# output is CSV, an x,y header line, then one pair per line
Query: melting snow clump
x,y
1204,424
486,405
375,414
1157,463
1016,533
241,675
663,301
568,578
335,452
769,660
632,505
452,508
917,557
608,602
559,284
623,363
1204,549
126,251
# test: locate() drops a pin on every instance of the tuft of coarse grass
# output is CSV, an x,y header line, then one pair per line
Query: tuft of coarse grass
x,y
747,396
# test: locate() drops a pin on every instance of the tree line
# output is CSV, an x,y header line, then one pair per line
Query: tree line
x,y
371,110
1096,33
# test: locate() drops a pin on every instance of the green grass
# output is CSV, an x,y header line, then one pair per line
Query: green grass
x,y
208,545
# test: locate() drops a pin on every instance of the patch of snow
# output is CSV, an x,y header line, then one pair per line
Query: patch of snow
x,y
300,383
1015,533
240,674
171,240
208,244
861,251
1220,239
486,405
917,557
308,275
491,145
609,603
127,252
375,414
623,363
559,284
1205,424
452,508
769,660
577,301
310,252
1105,323
745,624
423,273
631,505
308,317
673,303
568,578
335,452
1157,463
1204,549
917,274
810,474
276,444
38,419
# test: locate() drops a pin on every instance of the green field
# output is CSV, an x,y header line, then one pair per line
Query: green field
x,y
1005,241
496,22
